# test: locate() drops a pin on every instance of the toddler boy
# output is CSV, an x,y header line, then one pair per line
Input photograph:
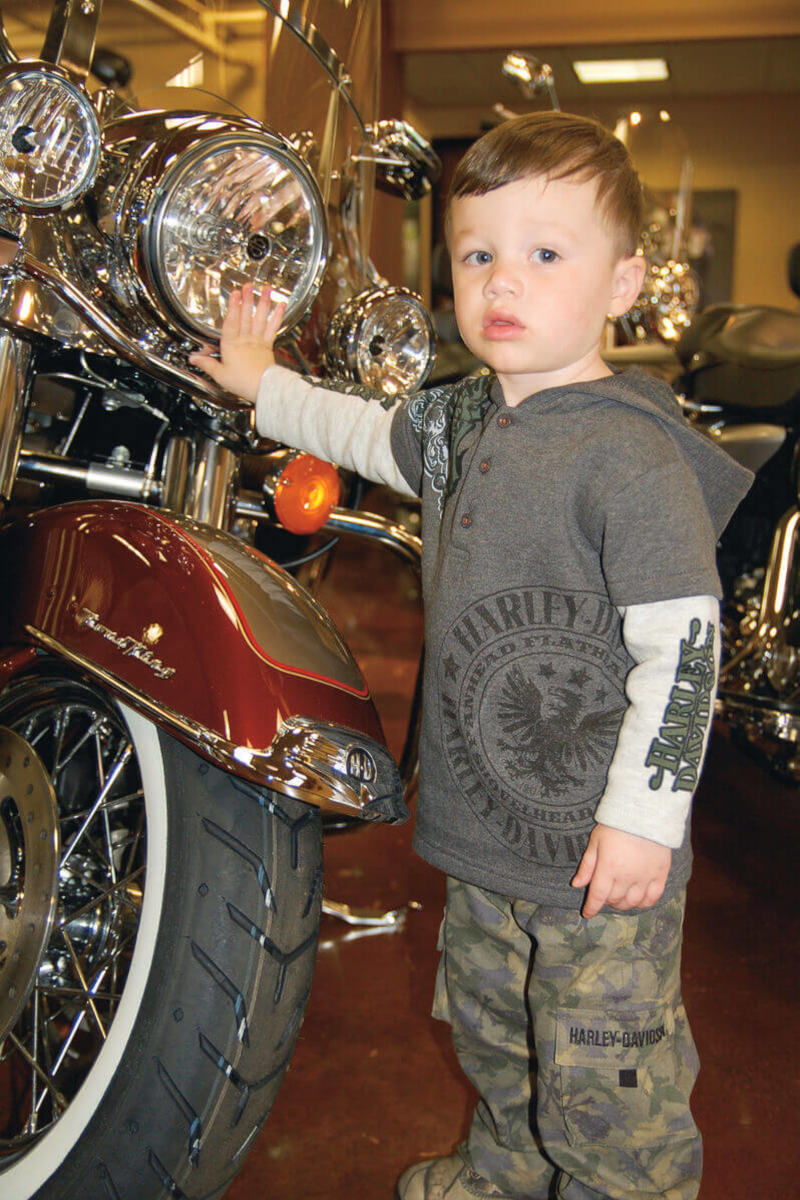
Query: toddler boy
x,y
569,526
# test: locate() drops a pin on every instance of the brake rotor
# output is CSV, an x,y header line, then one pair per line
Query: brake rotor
x,y
29,856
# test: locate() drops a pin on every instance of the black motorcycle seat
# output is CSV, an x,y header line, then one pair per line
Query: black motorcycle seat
x,y
744,359
744,335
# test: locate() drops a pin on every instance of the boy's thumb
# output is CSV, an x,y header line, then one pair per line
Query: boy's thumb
x,y
207,364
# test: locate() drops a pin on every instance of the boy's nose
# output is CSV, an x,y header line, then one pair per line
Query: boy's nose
x,y
502,280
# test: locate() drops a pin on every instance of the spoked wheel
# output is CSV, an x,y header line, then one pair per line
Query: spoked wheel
x,y
158,926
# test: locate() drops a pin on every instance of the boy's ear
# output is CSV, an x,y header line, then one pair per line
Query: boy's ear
x,y
627,283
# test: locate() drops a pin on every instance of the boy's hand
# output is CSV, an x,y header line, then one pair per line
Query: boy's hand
x,y
621,870
245,347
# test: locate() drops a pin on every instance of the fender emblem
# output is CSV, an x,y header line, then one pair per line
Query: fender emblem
x,y
129,646
360,764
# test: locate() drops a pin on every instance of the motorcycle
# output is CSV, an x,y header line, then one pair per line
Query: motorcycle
x,y
176,710
741,385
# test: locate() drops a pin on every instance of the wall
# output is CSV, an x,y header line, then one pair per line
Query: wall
x,y
749,144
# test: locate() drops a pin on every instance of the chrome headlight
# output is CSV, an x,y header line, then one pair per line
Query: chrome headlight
x,y
384,339
49,136
234,209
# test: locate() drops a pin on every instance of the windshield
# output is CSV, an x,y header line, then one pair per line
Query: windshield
x,y
306,68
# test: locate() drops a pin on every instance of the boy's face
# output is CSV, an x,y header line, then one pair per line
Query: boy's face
x,y
535,273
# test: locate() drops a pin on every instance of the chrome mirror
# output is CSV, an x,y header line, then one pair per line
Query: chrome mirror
x,y
533,76
406,162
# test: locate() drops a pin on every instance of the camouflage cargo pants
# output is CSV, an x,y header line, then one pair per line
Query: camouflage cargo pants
x,y
574,1034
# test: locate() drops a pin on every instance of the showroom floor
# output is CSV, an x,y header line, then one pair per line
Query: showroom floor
x,y
374,1085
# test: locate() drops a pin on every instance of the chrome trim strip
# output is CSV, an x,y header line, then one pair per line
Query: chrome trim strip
x,y
302,761
344,520
14,360
379,529
219,405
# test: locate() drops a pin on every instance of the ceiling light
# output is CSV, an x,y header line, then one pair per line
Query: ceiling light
x,y
621,70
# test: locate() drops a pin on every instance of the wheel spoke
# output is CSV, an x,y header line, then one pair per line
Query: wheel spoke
x,y
119,763
59,729
89,997
74,993
34,1118
60,763
76,1024
112,869
60,1100
118,890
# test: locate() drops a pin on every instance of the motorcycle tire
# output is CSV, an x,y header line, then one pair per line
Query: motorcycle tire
x,y
165,1005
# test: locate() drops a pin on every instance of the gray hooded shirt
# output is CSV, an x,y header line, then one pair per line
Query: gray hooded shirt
x,y
540,522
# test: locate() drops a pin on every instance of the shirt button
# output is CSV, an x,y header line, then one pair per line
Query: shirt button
x,y
503,421
484,465
466,521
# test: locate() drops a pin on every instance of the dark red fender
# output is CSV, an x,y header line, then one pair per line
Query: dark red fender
x,y
187,616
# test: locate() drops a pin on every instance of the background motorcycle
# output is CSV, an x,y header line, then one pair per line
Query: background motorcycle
x,y
741,383
175,710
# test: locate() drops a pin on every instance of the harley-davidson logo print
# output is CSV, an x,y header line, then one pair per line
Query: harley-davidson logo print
x,y
531,688
678,749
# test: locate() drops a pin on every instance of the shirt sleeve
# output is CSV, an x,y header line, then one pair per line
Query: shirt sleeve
x,y
353,430
658,540
407,444
662,741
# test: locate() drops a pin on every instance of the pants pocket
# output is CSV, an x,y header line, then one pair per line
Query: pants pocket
x,y
625,1076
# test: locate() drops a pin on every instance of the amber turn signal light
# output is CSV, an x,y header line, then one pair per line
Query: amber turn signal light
x,y
305,492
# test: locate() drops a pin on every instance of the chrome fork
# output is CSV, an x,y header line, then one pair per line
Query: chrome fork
x,y
15,357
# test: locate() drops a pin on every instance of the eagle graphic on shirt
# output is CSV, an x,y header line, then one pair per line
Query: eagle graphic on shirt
x,y
554,736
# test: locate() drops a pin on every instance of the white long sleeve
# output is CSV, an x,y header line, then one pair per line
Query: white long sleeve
x,y
664,734
345,429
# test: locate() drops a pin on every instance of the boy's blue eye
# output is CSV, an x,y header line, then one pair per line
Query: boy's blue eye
x,y
545,256
479,257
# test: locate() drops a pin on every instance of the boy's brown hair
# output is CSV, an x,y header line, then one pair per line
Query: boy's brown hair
x,y
558,146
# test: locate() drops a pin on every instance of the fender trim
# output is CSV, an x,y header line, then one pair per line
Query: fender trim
x,y
329,766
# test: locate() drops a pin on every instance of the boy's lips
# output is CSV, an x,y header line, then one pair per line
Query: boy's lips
x,y
499,324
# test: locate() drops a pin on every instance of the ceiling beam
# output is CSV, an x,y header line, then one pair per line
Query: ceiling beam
x,y
478,25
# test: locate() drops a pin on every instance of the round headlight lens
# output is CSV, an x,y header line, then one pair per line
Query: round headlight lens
x,y
240,208
49,137
384,339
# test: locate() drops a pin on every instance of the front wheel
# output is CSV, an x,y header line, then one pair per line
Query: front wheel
x,y
155,1018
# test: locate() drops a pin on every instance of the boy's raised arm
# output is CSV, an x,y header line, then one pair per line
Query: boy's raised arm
x,y
349,430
